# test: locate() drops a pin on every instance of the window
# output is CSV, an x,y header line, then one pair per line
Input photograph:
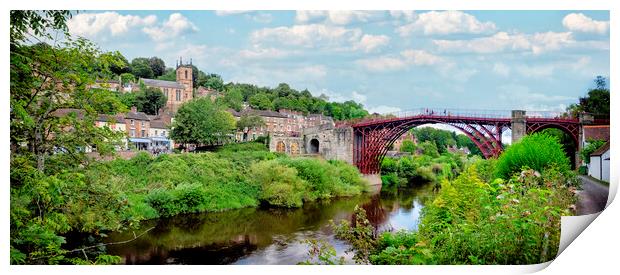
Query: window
x,y
142,132
131,121
163,133
156,132
132,133
166,92
178,95
185,74
142,123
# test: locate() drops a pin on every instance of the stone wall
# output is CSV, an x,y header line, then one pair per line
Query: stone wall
x,y
333,143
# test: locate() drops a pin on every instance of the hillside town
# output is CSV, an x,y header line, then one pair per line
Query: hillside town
x,y
152,132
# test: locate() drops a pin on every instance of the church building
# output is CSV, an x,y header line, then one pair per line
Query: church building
x,y
177,92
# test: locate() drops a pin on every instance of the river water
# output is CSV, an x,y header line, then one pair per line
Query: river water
x,y
264,235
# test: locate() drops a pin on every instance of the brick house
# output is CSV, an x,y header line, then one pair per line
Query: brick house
x,y
137,125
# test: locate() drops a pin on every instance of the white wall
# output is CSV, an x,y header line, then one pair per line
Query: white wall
x,y
606,167
594,168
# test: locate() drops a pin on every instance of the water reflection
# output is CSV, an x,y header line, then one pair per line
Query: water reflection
x,y
264,236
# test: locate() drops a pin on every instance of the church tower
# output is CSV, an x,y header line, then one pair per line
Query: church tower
x,y
184,75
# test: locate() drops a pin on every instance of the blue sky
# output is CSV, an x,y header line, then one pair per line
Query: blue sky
x,y
387,60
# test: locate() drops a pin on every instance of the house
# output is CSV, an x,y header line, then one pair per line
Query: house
x,y
208,92
159,131
137,125
115,123
599,163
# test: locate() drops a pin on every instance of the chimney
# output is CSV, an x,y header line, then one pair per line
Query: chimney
x,y
134,109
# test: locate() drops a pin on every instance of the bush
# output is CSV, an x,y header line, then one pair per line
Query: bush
x,y
280,184
537,151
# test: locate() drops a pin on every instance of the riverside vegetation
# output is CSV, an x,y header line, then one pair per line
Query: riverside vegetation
x,y
116,195
504,211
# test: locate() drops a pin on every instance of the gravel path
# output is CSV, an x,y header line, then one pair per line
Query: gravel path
x,y
592,198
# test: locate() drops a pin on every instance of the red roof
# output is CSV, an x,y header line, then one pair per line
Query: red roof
x,y
596,132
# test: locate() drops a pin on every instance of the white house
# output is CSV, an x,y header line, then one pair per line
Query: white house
x,y
599,163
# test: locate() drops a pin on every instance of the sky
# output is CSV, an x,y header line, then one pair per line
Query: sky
x,y
387,60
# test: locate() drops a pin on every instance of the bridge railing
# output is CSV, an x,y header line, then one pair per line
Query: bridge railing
x,y
447,112
451,113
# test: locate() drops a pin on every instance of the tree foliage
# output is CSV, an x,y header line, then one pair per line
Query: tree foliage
x,y
201,121
150,100
592,146
250,121
596,102
141,68
53,112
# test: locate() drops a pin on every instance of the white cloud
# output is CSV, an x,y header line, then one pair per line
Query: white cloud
x,y
359,98
504,42
320,36
405,59
578,22
446,22
176,25
106,23
230,12
297,75
369,43
522,96
501,69
538,71
406,15
383,109
263,53
262,17
338,17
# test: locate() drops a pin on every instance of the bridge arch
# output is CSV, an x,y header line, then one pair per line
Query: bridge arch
x,y
570,130
371,142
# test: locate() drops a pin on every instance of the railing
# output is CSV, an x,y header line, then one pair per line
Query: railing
x,y
469,113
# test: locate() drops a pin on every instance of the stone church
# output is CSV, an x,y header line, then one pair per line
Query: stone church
x,y
177,92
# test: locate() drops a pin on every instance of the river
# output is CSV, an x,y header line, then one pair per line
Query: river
x,y
264,235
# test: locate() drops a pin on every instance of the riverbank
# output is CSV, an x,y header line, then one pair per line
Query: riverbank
x,y
116,195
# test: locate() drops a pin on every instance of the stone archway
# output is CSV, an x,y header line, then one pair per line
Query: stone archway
x,y
314,146
294,148
280,147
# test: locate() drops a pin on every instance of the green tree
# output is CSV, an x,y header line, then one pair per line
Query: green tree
x,y
592,146
157,66
233,98
123,66
212,81
407,146
170,75
127,78
596,102
52,113
141,68
250,121
201,121
150,100
261,102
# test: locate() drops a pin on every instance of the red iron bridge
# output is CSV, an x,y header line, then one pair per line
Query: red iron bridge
x,y
373,136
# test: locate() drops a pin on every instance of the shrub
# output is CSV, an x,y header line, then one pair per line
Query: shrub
x,y
537,151
280,184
